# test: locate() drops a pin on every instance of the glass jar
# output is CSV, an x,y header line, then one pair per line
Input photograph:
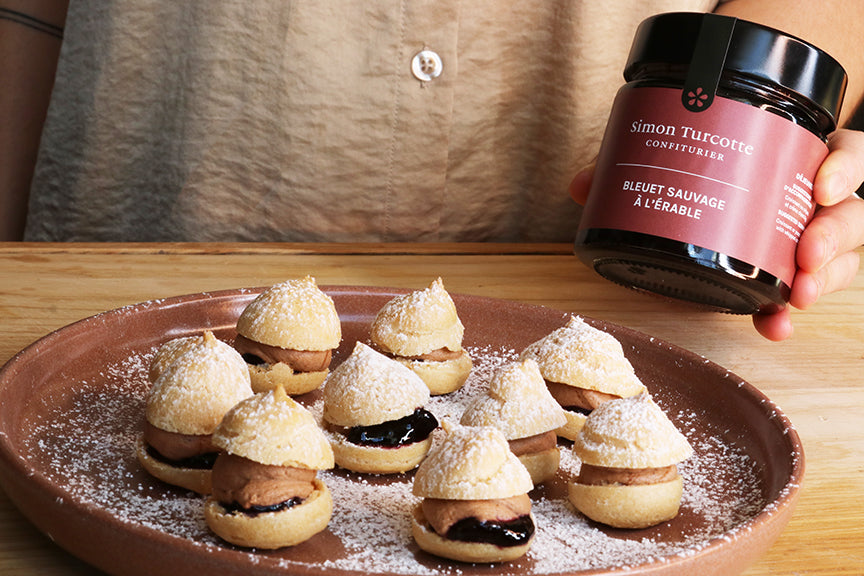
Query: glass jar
x,y
705,175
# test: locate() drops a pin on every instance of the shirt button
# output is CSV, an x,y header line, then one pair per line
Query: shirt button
x,y
426,65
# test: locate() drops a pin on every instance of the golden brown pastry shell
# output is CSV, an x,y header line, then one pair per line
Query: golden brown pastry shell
x,y
474,552
418,322
374,460
195,479
271,530
622,506
542,466
295,314
270,376
441,377
570,430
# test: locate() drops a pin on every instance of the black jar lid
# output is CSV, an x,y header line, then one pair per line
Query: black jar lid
x,y
753,50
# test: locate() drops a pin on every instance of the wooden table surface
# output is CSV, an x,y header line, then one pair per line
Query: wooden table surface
x,y
815,377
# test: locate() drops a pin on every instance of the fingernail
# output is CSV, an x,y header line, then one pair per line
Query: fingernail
x,y
836,187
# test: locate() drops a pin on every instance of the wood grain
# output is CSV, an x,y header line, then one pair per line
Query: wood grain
x,y
815,377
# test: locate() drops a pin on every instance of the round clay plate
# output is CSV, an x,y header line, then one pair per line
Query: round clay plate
x,y
72,408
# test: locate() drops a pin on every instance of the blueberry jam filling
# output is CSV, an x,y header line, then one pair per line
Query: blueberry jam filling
x,y
413,428
256,510
578,410
198,462
508,533
253,359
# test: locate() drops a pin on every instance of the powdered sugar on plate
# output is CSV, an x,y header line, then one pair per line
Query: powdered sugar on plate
x,y
87,447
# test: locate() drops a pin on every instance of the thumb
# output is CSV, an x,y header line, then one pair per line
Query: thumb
x,y
581,183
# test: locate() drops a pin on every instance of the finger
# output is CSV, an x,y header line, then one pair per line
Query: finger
x,y
837,275
842,172
581,183
834,230
776,326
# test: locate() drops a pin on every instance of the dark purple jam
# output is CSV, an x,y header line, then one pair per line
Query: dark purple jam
x,y
578,410
253,359
256,510
198,462
413,428
514,532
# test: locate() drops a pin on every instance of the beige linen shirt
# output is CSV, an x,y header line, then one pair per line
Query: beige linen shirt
x,y
305,121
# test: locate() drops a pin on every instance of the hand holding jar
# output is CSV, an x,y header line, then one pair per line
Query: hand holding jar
x,y
722,180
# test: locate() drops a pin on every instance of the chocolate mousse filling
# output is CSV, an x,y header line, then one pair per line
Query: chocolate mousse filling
x,y
439,355
604,476
534,444
258,354
181,450
240,484
503,522
575,399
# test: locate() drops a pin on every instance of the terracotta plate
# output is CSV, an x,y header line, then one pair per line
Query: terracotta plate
x,y
72,407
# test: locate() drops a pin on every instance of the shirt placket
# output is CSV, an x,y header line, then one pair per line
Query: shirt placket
x,y
423,89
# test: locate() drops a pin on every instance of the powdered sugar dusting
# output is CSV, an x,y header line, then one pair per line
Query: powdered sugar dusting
x,y
418,322
486,361
631,433
195,391
369,388
370,529
581,355
517,402
292,314
376,531
471,463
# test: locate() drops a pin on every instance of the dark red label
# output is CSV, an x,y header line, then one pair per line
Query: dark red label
x,y
734,178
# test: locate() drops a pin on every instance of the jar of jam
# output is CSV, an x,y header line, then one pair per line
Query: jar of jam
x,y
704,180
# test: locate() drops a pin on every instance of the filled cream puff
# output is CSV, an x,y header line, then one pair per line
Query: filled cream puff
x,y
374,414
518,403
475,505
422,330
629,451
266,492
287,335
168,352
583,367
186,402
